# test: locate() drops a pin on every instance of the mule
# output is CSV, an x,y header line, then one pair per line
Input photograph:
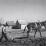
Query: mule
x,y
37,29
29,26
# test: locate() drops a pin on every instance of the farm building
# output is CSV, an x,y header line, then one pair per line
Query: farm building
x,y
12,23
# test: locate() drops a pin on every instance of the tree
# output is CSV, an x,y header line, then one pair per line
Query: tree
x,y
1,21
17,25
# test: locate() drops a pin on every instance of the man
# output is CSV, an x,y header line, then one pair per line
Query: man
x,y
3,34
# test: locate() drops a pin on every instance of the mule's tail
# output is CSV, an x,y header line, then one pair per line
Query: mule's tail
x,y
24,29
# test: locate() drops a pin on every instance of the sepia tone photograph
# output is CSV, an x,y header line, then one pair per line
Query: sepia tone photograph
x,y
22,22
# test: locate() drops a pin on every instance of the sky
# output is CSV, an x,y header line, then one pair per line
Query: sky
x,y
26,10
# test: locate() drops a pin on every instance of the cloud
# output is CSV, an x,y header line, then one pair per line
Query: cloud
x,y
28,10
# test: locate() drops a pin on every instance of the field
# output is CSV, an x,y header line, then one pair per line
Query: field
x,y
31,41
25,42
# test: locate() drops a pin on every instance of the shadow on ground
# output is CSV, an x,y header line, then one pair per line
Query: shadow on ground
x,y
25,42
